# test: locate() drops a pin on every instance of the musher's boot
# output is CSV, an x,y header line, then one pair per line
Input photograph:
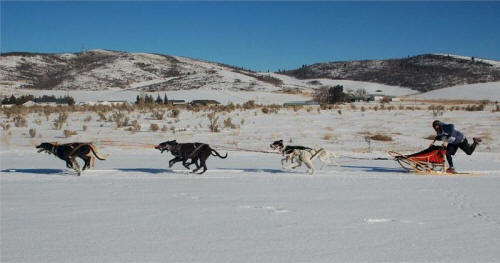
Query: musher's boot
x,y
451,170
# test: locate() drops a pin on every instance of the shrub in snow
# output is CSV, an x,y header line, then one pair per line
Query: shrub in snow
x,y
60,120
381,137
213,120
158,115
32,133
68,133
154,127
174,113
19,121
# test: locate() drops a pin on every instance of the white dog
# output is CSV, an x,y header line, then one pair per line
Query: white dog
x,y
307,156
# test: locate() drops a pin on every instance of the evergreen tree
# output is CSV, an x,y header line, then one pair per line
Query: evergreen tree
x,y
159,100
139,100
165,99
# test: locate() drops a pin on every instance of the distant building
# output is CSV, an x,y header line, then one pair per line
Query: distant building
x,y
88,103
111,102
118,102
380,98
177,102
376,98
358,98
29,103
301,103
103,102
205,102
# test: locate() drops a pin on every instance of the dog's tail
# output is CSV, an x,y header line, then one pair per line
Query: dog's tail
x,y
333,154
96,152
317,153
215,153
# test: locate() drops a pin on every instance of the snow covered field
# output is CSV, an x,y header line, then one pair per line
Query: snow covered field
x,y
246,208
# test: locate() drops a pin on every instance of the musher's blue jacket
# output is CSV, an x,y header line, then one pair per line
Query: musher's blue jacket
x,y
448,133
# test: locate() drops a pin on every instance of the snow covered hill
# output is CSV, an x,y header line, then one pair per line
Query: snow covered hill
x,y
422,72
122,76
102,69
479,91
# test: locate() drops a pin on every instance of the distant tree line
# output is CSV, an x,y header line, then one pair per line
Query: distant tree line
x,y
331,95
43,99
148,99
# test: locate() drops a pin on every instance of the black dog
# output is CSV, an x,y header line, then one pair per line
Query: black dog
x,y
286,151
185,151
69,151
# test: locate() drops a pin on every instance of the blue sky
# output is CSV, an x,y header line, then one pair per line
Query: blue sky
x,y
256,35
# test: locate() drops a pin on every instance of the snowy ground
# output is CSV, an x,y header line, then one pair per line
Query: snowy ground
x,y
246,208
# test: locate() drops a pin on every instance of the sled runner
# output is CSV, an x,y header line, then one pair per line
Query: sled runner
x,y
429,161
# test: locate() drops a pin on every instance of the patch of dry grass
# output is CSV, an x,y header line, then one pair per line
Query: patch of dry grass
x,y
381,137
32,132
69,133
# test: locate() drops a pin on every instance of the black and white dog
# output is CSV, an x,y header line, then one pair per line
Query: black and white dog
x,y
185,151
307,156
286,150
301,154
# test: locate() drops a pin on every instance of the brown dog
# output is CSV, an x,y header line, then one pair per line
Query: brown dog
x,y
69,151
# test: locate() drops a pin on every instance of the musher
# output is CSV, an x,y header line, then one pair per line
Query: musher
x,y
454,139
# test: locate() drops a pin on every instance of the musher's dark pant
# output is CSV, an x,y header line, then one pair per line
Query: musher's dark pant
x,y
451,149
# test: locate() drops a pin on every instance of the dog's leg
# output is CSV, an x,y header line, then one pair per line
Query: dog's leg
x,y
204,165
69,163
284,160
196,161
173,161
193,161
76,166
198,165
309,165
297,164
185,164
324,161
334,161
86,159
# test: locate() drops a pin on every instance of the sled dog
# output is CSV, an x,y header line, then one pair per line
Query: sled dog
x,y
185,151
69,151
286,150
307,156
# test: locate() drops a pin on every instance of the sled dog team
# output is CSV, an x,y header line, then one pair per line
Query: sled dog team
x,y
197,153
188,153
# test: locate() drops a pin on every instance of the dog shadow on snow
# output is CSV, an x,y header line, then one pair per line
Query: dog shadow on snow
x,y
146,170
34,171
376,169
257,170
66,172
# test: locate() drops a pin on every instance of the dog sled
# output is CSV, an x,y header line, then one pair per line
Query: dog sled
x,y
431,161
